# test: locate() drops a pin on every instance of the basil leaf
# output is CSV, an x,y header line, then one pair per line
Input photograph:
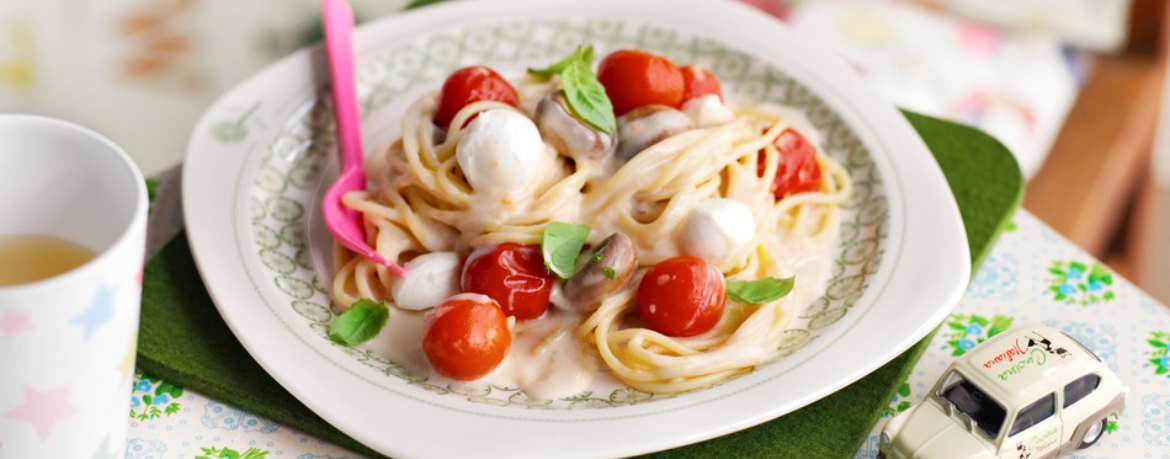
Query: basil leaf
x,y
582,53
360,323
759,291
586,97
560,245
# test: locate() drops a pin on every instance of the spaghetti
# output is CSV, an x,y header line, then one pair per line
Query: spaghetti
x,y
423,203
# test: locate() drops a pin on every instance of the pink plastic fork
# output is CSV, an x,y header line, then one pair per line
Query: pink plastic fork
x,y
345,223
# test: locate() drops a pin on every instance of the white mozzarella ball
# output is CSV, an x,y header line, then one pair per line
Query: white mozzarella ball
x,y
430,279
717,230
500,151
707,111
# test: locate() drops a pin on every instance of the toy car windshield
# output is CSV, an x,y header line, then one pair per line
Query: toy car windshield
x,y
974,403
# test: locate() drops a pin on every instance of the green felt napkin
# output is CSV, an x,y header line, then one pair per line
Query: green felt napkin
x,y
183,339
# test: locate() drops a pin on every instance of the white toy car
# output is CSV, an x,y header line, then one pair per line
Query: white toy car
x,y
1027,393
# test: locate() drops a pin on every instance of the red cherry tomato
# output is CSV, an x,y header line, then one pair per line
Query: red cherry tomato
x,y
798,171
472,84
466,336
681,296
635,79
514,276
699,82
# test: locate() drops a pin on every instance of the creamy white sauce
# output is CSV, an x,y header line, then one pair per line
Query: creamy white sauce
x,y
546,360
401,340
812,268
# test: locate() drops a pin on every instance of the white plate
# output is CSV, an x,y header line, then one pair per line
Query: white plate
x,y
258,156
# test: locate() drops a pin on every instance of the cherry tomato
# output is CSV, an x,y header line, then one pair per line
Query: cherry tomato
x,y
698,82
798,171
635,79
513,275
681,296
472,84
466,336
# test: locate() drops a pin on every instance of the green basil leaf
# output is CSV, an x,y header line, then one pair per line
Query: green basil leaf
x,y
587,98
584,53
759,291
561,245
360,323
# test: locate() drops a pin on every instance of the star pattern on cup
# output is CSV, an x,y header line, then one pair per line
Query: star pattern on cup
x,y
43,410
100,310
15,321
126,365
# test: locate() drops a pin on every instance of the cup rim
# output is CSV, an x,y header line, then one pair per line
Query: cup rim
x,y
124,237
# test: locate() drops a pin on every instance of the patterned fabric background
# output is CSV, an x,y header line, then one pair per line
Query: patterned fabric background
x,y
1035,276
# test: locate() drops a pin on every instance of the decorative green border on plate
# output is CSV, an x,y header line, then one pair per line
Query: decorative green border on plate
x,y
296,157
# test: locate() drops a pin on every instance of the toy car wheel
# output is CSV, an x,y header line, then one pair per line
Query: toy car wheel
x,y
1093,434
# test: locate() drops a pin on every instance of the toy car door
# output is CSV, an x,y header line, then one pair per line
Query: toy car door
x,y
1081,411
1035,431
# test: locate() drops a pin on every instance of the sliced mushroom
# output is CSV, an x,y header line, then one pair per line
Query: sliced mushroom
x,y
567,133
609,269
646,126
438,135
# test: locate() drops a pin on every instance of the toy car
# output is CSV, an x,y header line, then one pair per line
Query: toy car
x,y
1027,393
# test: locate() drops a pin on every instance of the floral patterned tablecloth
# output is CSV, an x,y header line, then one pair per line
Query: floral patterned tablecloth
x,y
1032,275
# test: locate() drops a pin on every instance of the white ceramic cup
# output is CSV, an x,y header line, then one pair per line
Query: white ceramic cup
x,y
67,343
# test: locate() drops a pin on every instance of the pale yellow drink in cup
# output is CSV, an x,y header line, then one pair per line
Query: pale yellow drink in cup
x,y
25,258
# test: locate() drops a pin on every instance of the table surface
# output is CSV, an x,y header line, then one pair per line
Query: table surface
x,y
1033,275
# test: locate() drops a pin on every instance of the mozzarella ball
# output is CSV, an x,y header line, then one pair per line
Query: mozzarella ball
x,y
430,279
717,230
500,151
707,111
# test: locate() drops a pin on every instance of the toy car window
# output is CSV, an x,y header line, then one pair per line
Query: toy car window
x,y
987,413
1034,414
1078,389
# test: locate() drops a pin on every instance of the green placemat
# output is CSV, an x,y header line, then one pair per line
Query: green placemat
x,y
184,340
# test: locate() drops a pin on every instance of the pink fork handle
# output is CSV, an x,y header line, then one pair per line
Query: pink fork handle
x,y
338,21
344,223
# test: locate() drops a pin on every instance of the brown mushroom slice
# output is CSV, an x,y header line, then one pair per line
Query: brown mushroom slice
x,y
646,126
610,268
567,133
